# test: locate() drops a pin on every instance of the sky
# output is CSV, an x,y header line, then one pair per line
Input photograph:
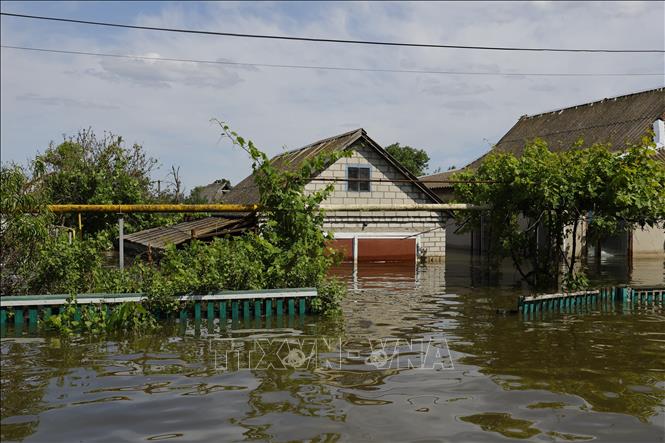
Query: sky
x,y
167,106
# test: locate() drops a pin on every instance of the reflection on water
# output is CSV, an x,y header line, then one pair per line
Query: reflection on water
x,y
564,377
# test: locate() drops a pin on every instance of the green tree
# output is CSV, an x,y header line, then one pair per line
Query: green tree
x,y
538,200
24,224
413,159
87,169
37,255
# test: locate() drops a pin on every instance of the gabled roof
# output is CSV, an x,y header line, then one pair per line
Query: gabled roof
x,y
247,192
213,192
618,121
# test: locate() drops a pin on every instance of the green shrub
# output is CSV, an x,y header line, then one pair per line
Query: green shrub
x,y
331,294
127,317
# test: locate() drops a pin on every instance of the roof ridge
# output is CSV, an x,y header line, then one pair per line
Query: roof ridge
x,y
647,91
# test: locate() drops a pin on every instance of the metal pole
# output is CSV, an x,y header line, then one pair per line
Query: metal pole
x,y
121,241
355,262
127,209
355,250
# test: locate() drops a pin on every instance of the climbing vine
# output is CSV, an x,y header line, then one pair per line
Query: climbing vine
x,y
539,204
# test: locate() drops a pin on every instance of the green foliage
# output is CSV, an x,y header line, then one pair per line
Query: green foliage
x,y
24,223
201,268
64,267
331,293
43,253
131,318
575,282
87,169
96,320
66,321
413,159
551,194
196,196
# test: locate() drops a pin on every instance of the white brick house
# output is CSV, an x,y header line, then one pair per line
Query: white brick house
x,y
369,176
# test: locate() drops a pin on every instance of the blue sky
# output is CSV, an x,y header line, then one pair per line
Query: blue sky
x,y
167,107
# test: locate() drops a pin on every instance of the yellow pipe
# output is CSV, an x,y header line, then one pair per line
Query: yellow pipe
x,y
152,208
251,208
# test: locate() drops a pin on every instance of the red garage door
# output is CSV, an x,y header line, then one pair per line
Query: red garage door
x,y
378,249
386,249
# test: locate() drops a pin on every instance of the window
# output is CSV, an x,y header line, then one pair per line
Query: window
x,y
358,178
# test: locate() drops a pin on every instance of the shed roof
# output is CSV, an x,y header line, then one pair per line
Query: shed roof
x,y
247,192
161,236
618,121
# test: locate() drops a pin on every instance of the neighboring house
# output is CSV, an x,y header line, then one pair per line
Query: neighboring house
x,y
212,193
618,121
378,179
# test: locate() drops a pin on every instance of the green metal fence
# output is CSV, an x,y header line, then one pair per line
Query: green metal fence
x,y
603,299
233,305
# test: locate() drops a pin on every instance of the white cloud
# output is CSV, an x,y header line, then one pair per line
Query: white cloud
x,y
164,74
167,105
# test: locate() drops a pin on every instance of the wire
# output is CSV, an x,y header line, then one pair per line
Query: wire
x,y
331,68
397,180
327,40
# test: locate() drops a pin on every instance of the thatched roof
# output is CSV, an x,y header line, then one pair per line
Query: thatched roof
x,y
247,192
618,121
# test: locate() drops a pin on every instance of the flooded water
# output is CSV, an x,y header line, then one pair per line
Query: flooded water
x,y
420,355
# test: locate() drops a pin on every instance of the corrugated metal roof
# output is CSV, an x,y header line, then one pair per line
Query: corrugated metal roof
x,y
161,236
618,121
247,192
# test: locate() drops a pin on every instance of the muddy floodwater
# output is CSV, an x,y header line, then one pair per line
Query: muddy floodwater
x,y
427,354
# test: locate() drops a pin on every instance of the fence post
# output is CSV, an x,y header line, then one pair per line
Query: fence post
x,y
121,242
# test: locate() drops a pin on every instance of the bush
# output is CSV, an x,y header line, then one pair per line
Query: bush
x,y
329,301
96,320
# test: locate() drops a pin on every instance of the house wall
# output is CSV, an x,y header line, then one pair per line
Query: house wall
x,y
648,241
580,239
428,227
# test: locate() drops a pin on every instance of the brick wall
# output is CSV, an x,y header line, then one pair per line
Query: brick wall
x,y
428,226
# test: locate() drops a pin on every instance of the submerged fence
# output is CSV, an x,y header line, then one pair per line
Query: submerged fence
x,y
602,299
226,305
